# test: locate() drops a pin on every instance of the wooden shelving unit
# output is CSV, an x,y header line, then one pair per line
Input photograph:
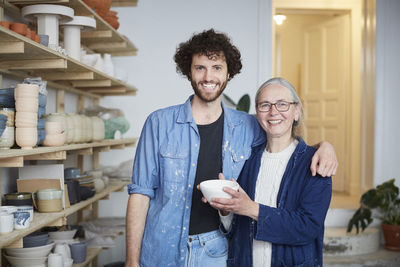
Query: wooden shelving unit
x,y
45,219
24,57
105,39
16,157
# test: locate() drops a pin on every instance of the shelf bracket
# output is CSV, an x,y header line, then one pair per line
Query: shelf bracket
x,y
12,162
12,47
58,155
94,83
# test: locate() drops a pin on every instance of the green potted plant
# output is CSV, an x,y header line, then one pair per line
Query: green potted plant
x,y
385,199
242,105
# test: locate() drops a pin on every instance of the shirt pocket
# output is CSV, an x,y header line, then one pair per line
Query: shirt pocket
x,y
173,163
238,158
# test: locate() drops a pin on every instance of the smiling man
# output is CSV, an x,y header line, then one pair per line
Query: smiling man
x,y
180,146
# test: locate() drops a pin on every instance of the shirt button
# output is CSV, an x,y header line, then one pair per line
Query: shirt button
x,y
182,258
182,250
193,164
195,145
184,228
241,157
190,185
187,207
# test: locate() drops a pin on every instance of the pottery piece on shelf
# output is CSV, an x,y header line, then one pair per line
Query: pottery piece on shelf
x,y
44,39
26,90
48,18
26,138
7,138
72,34
5,24
19,28
54,139
26,104
26,119
53,127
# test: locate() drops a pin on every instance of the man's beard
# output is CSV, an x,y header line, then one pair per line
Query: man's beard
x,y
208,97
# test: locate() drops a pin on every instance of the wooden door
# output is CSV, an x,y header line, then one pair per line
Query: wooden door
x,y
325,87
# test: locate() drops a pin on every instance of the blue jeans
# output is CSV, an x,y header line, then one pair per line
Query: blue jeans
x,y
207,249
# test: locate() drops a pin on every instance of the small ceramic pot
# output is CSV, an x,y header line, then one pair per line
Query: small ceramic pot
x,y
10,113
7,138
26,119
53,127
26,104
59,118
37,39
21,220
26,138
5,24
28,33
78,252
44,39
19,28
55,260
6,223
33,35
70,173
54,139
26,208
70,128
98,129
26,90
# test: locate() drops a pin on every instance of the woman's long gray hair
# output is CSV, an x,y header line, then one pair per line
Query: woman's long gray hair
x,y
295,96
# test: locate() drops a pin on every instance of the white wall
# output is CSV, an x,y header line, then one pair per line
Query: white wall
x,y
387,120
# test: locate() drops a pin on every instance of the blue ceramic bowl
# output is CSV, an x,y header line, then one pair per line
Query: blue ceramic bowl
x,y
42,100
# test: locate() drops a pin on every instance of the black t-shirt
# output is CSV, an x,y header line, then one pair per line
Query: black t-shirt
x,y
203,217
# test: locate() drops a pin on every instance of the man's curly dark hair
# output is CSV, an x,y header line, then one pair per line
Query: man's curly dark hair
x,y
209,43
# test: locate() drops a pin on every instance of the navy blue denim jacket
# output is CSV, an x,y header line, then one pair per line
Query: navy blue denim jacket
x,y
296,227
165,168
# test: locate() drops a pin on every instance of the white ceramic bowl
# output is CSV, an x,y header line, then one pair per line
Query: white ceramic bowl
x,y
213,188
62,235
23,262
33,252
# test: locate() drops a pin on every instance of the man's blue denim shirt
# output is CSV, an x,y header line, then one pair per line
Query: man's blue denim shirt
x,y
165,167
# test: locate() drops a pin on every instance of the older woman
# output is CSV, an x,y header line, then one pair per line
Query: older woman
x,y
280,208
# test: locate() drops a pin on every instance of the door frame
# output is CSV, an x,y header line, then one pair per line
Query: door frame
x,y
361,122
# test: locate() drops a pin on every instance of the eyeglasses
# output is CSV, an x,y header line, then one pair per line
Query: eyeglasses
x,y
281,106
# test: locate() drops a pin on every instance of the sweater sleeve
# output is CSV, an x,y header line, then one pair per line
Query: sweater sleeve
x,y
301,225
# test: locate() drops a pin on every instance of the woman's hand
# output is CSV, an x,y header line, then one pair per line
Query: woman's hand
x,y
240,203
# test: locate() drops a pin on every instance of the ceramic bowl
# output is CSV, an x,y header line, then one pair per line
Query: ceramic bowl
x,y
53,127
26,138
63,235
54,139
34,252
8,209
26,90
26,119
213,188
26,104
7,138
35,239
23,262
10,113
70,173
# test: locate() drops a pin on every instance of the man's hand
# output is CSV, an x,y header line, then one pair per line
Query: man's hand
x,y
324,161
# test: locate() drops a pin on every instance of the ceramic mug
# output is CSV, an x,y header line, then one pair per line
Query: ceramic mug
x,y
55,260
78,252
21,220
26,208
6,222
49,193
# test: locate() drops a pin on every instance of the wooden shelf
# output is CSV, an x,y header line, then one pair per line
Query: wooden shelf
x,y
20,54
91,253
45,219
122,3
105,39
16,157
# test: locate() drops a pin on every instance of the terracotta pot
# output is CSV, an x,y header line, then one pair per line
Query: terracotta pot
x,y
91,3
19,28
33,35
5,24
392,236
37,39
28,33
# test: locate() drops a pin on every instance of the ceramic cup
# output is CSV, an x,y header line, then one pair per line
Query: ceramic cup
x,y
27,104
55,260
6,222
78,252
21,220
26,119
64,250
26,138
8,209
26,90
26,208
49,193
53,127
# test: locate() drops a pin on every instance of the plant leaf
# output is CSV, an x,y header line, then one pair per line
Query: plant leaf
x,y
244,103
